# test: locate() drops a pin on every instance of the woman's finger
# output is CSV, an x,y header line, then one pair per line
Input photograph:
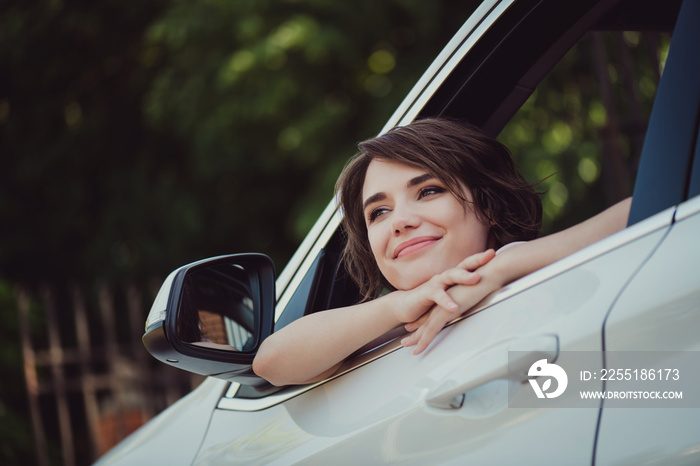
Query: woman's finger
x,y
429,331
456,276
444,300
410,340
415,325
475,261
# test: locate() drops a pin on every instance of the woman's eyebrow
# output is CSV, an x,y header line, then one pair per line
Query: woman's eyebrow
x,y
419,179
373,198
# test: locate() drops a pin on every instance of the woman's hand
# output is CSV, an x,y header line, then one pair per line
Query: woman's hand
x,y
411,305
429,324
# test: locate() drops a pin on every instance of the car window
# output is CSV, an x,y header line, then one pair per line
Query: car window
x,y
302,297
580,134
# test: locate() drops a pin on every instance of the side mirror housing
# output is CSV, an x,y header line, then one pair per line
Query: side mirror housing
x,y
210,317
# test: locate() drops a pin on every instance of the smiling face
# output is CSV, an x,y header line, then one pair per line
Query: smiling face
x,y
460,156
416,227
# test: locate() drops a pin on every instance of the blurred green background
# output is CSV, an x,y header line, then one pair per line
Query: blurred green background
x,y
136,137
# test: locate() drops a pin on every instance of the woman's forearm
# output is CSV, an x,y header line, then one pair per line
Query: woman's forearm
x,y
313,347
522,259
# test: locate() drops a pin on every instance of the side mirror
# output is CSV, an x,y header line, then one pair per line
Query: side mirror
x,y
210,317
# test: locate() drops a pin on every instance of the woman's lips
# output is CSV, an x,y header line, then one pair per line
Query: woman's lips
x,y
413,245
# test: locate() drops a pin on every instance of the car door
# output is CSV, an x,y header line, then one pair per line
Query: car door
x,y
654,325
456,401
654,322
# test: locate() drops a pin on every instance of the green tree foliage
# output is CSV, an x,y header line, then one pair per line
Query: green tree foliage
x,y
72,139
138,136
281,93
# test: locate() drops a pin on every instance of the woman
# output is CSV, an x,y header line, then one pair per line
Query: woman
x,y
425,205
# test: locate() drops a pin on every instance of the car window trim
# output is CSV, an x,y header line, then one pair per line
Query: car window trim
x,y
439,70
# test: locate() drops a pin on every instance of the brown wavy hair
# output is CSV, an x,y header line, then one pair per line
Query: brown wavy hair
x,y
456,153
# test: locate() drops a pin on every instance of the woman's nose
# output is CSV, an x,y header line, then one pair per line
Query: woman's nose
x,y
404,219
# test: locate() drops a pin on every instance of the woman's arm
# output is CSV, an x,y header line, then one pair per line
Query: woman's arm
x,y
516,262
311,348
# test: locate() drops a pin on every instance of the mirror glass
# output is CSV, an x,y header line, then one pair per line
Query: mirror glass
x,y
216,309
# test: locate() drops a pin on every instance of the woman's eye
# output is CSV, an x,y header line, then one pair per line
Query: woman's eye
x,y
429,190
374,214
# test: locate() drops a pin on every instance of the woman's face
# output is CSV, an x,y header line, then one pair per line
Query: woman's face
x,y
416,227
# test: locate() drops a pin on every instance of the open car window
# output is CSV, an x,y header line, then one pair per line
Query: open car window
x,y
580,134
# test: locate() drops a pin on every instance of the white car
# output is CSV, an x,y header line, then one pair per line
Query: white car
x,y
618,320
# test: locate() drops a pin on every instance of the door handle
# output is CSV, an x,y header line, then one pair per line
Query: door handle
x,y
492,364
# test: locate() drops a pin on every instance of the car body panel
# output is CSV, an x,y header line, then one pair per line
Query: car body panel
x,y
174,436
644,319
